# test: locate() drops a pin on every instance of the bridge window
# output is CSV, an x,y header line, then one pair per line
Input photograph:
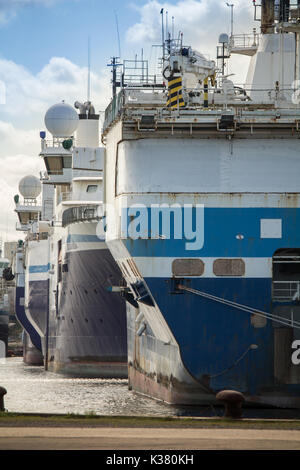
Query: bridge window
x,y
286,275
92,188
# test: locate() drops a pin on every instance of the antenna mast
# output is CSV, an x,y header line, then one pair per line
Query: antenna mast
x,y
89,71
162,33
118,34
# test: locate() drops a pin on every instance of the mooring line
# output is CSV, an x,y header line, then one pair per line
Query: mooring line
x,y
245,308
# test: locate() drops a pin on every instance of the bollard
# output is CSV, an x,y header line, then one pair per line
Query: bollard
x,y
233,403
2,393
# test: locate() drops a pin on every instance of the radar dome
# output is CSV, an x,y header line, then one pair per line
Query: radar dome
x,y
61,120
30,187
223,38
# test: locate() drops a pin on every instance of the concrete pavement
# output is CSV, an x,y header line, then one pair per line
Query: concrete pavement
x,y
67,438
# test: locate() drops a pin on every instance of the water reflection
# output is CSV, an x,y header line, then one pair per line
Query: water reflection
x,y
32,390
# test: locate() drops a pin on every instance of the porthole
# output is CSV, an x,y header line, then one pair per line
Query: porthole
x,y
187,267
229,267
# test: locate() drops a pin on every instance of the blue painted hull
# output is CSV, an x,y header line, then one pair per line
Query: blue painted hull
x,y
217,346
214,345
23,319
213,337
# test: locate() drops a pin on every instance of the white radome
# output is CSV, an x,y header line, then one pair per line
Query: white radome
x,y
61,120
30,187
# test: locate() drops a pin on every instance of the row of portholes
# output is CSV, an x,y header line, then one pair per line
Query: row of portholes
x,y
221,267
72,321
71,292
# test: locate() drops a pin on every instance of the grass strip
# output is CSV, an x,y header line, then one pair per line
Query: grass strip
x,y
92,420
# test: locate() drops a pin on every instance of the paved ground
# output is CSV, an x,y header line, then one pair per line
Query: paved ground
x,y
35,438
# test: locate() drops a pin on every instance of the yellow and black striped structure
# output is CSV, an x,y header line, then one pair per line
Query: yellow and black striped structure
x,y
206,93
175,98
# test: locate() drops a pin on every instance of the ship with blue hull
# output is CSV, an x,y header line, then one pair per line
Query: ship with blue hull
x,y
203,201
4,305
32,345
31,319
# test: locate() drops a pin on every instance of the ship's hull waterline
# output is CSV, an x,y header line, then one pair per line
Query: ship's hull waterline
x,y
31,355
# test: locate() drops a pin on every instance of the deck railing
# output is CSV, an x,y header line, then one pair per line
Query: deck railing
x,y
244,41
286,291
79,214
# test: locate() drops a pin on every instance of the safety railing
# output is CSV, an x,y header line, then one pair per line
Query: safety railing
x,y
286,291
244,41
113,110
79,214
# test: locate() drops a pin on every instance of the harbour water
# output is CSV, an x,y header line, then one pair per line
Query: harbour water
x,y
33,390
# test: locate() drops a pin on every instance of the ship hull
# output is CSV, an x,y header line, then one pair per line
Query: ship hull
x,y
193,346
33,337
31,355
223,216
87,331
197,366
79,325
4,321
32,294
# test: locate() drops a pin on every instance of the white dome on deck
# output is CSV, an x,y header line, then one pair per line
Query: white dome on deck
x,y
30,187
61,120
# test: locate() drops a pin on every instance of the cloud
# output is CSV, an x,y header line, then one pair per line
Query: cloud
x,y
28,96
201,23
18,157
197,19
12,169
13,140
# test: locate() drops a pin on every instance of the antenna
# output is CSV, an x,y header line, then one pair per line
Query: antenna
x,y
167,24
162,33
231,6
118,33
89,70
115,83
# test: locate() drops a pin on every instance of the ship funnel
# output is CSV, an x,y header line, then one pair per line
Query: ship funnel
x,y
267,16
86,109
87,134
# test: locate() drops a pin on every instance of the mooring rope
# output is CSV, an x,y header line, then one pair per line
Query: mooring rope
x,y
245,308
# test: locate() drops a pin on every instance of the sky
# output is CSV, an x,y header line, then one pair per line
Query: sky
x,y
44,57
